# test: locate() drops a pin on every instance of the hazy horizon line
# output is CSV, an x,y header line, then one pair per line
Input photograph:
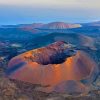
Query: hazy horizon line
x,y
46,22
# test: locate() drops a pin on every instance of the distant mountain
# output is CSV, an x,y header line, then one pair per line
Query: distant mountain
x,y
44,28
97,24
52,25
25,27
32,26
56,67
59,25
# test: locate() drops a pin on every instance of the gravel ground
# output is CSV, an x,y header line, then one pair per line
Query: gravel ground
x,y
17,90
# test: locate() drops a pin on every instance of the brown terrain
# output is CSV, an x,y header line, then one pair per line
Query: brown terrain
x,y
62,74
31,27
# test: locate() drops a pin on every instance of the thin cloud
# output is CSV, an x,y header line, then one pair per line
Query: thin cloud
x,y
54,3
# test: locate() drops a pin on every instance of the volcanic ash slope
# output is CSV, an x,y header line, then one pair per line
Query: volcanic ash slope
x,y
57,67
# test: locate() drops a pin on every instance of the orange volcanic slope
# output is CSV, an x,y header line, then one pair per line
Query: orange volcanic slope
x,y
37,67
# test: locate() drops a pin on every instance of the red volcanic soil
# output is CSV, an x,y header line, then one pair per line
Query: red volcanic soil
x,y
60,25
36,67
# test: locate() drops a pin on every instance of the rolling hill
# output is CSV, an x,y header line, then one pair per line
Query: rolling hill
x,y
78,40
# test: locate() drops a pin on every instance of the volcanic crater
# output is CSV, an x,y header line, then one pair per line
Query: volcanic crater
x,y
55,66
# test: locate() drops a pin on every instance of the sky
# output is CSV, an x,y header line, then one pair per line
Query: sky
x,y
32,11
